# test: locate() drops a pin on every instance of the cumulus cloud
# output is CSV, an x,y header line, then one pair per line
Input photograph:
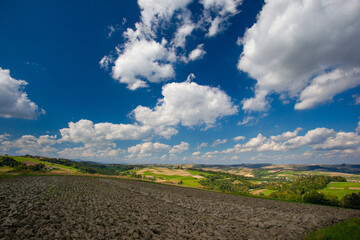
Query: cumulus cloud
x,y
238,138
358,127
155,11
356,98
218,142
149,55
286,135
247,121
196,54
91,151
202,145
223,9
14,102
30,144
324,87
105,62
292,51
86,131
147,149
319,139
183,146
143,59
196,153
187,104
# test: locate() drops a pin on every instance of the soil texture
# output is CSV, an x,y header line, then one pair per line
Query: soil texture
x,y
69,207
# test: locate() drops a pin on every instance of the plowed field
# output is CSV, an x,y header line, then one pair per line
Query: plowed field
x,y
68,207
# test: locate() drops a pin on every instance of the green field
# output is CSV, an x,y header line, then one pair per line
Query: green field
x,y
267,192
48,164
5,169
170,176
340,189
348,230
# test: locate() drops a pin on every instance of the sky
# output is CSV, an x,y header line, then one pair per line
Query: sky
x,y
181,81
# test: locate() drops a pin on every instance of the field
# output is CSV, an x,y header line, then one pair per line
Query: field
x,y
187,178
5,169
349,230
68,207
30,161
340,189
260,178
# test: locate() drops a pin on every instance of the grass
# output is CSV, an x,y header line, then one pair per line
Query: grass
x,y
348,230
267,192
340,192
48,164
188,181
5,169
199,173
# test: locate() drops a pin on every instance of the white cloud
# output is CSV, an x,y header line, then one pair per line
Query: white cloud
x,y
223,10
143,59
30,144
183,31
197,53
302,49
91,151
187,104
356,98
358,127
247,121
218,142
342,140
238,138
154,11
183,146
204,144
196,153
14,102
147,149
105,62
286,135
317,139
148,54
4,137
86,131
324,87
190,77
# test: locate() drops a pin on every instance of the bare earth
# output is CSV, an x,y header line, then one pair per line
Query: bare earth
x,y
69,207
256,192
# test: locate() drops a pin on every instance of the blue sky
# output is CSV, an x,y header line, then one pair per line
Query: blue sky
x,y
182,81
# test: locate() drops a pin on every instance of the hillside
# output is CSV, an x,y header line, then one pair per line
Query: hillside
x,y
284,182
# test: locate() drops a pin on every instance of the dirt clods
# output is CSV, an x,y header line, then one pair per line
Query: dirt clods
x,y
68,207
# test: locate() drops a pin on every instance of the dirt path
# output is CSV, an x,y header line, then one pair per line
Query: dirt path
x,y
69,207
256,192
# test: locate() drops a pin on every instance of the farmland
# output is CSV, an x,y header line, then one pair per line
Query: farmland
x,y
340,189
66,207
183,177
296,183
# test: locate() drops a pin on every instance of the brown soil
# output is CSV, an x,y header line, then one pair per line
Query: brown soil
x,y
256,192
337,188
354,188
69,207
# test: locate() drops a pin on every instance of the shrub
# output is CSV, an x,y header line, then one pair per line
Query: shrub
x,y
351,200
315,197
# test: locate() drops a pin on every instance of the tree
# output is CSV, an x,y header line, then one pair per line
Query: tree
x,y
351,200
315,197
